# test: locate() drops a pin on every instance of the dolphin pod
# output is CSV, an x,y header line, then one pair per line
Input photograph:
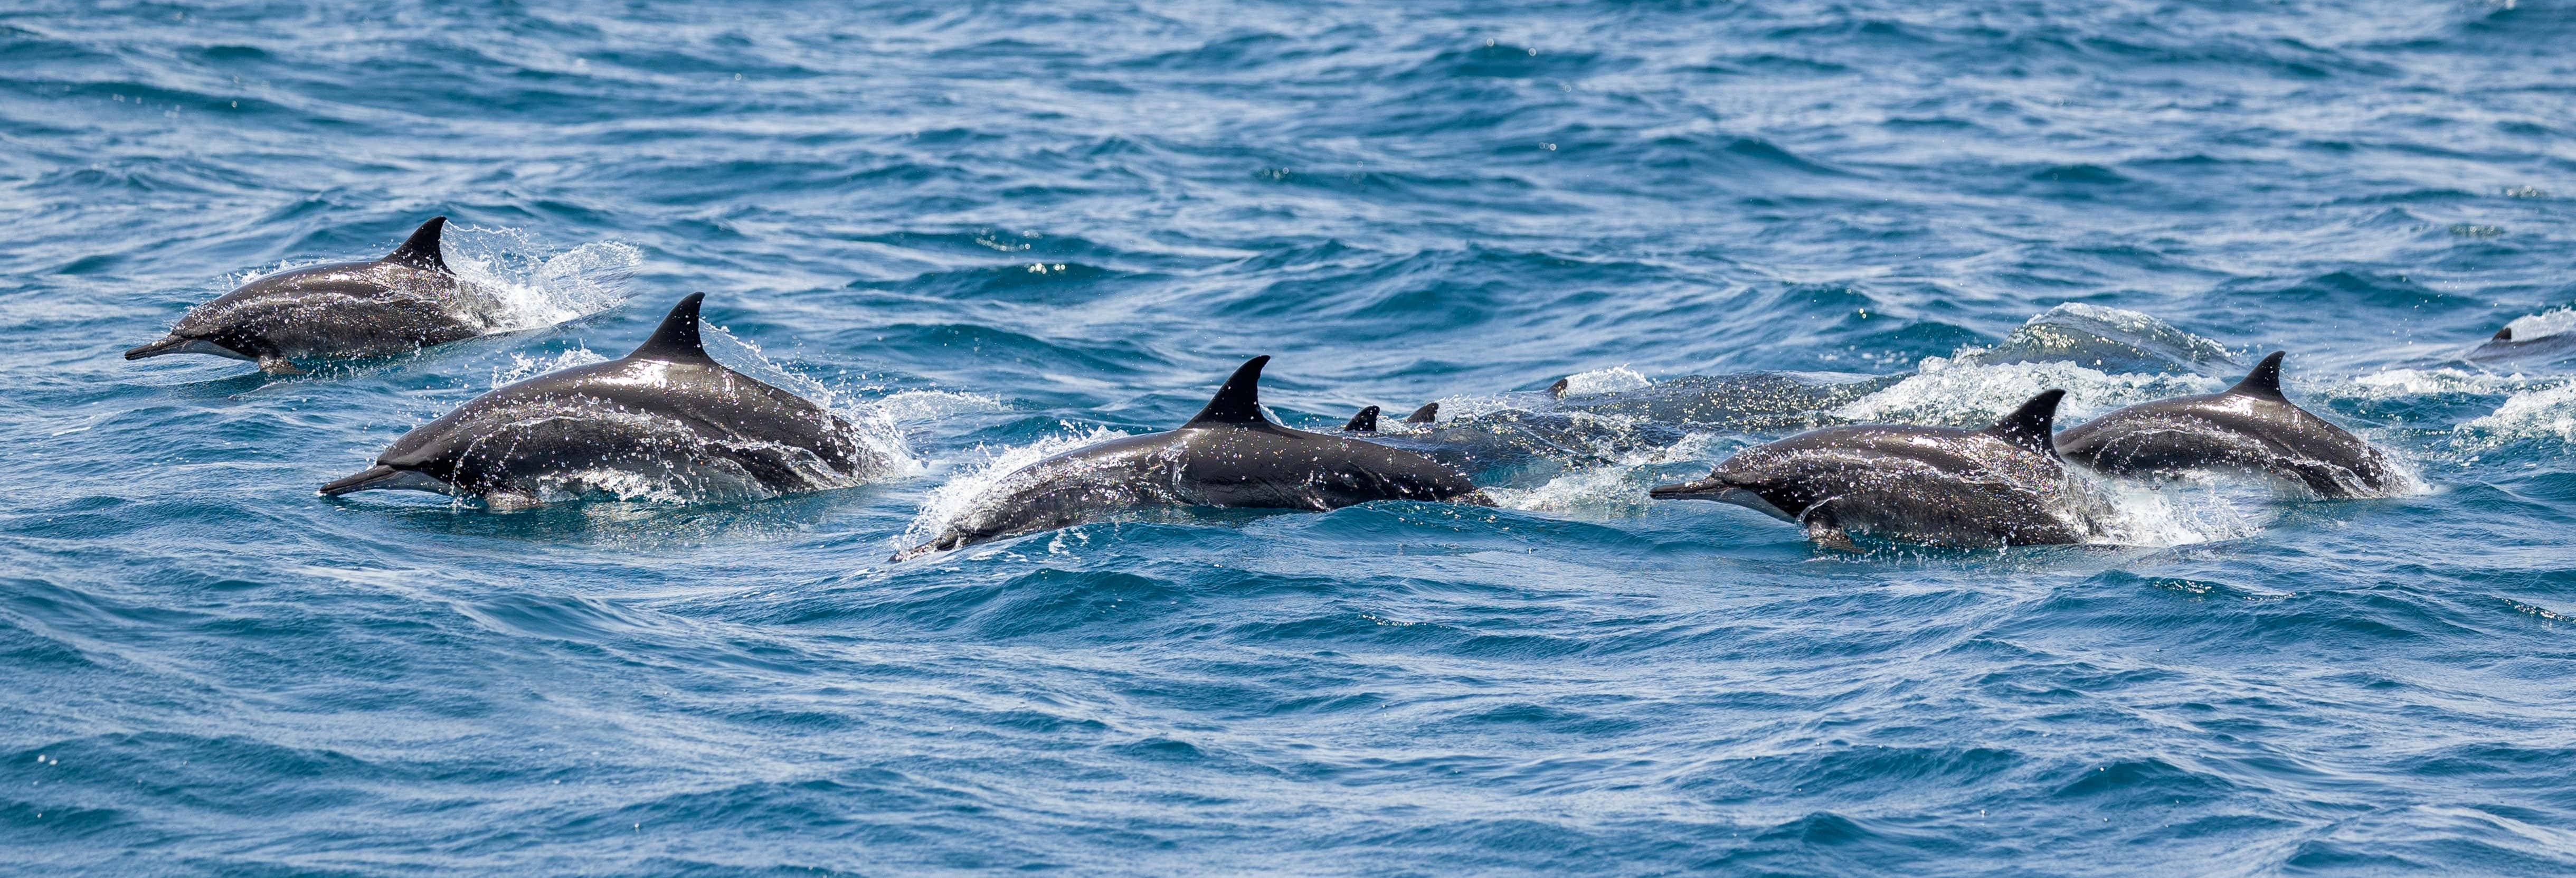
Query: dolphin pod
x,y
669,415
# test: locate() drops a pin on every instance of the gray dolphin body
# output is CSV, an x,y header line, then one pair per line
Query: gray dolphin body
x,y
352,310
666,417
2504,346
1942,486
2250,428
1229,455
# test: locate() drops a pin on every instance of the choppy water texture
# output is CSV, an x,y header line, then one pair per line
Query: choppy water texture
x,y
982,231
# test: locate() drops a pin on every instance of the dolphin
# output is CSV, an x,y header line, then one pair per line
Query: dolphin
x,y
1230,455
351,310
1942,486
2504,346
1364,422
1429,412
2250,428
664,418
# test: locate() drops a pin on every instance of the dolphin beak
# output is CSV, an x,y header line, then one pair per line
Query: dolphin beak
x,y
1688,490
385,478
167,345
1719,489
362,480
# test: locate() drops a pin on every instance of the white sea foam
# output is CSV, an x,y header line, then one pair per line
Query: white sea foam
x,y
533,286
1611,380
2530,414
2176,513
1618,489
1946,392
2543,324
2403,383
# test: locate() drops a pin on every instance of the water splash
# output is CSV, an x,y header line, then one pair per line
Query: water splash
x,y
1956,394
532,287
966,491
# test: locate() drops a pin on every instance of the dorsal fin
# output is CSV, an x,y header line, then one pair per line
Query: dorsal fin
x,y
2505,334
1430,411
1559,388
421,249
2032,426
2264,381
677,337
1364,422
1239,401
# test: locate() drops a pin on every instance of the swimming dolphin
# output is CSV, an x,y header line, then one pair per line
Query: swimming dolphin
x,y
1429,412
1364,422
1229,455
1943,486
2504,346
2249,428
665,418
351,310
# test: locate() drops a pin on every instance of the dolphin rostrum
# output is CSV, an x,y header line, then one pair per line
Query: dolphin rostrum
x,y
666,419
1942,486
1231,454
2249,428
351,310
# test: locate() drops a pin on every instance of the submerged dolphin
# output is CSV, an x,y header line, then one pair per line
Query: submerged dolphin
x,y
2249,428
1230,455
665,418
1364,422
1944,486
2505,346
351,310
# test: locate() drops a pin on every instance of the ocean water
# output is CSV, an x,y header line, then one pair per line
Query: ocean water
x,y
985,231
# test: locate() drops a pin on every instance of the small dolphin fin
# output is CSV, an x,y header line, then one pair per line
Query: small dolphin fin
x,y
2264,381
279,366
677,337
1239,401
1364,422
2505,334
1429,412
1558,389
2030,426
421,250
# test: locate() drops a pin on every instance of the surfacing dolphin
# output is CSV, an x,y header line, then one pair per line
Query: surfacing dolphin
x,y
665,419
2504,345
351,310
1229,455
1941,486
2250,428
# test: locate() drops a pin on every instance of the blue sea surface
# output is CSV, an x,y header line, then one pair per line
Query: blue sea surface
x,y
984,232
